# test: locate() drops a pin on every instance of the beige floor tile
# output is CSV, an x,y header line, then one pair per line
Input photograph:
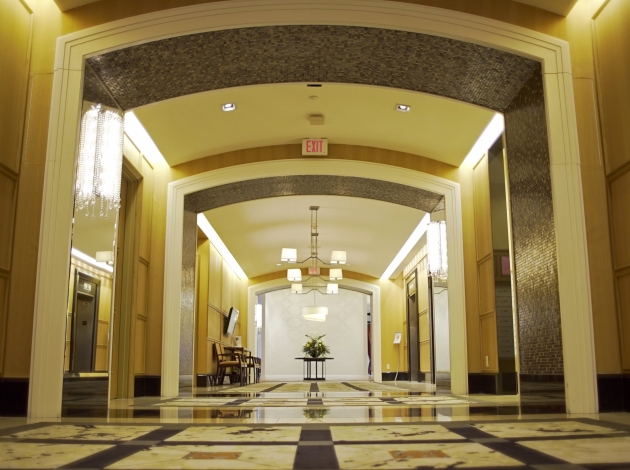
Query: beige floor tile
x,y
211,457
392,433
398,456
602,450
544,429
26,455
86,432
239,434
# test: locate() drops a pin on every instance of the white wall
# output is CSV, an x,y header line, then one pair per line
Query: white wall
x,y
284,331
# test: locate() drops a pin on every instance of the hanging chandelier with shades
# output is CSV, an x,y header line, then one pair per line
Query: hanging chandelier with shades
x,y
436,247
99,169
312,284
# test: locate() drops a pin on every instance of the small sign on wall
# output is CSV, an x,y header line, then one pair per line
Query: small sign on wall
x,y
314,147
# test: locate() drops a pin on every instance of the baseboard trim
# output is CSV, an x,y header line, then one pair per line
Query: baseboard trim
x,y
147,386
613,391
14,396
391,376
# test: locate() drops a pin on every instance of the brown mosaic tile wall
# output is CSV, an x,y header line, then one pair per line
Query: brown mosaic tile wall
x,y
179,66
187,322
533,232
297,185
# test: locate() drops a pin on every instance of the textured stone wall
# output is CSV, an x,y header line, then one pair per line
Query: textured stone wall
x,y
533,232
168,68
297,185
187,322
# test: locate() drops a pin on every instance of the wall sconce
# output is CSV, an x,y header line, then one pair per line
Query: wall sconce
x,y
436,247
99,169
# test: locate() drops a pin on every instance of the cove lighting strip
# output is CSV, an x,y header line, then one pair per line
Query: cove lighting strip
x,y
91,261
408,246
215,239
141,139
488,137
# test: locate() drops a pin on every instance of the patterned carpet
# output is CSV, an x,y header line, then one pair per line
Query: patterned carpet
x,y
536,444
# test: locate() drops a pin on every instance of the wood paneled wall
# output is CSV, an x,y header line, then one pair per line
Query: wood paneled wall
x,y
218,289
144,233
487,322
15,37
611,30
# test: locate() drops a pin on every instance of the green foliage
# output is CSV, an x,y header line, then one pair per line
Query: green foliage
x,y
316,413
315,347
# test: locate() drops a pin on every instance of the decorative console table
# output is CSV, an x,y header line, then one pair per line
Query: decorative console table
x,y
308,370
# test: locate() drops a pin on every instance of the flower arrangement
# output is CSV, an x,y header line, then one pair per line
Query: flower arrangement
x,y
315,347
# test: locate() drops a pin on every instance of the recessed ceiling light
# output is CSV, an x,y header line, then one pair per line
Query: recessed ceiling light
x,y
229,106
313,97
403,108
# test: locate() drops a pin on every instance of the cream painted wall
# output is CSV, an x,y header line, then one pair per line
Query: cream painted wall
x,y
285,330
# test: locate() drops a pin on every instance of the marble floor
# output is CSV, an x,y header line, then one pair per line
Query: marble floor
x,y
343,425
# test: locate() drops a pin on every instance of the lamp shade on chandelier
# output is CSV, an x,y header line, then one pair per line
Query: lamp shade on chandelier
x,y
99,169
338,257
436,246
294,275
289,255
336,274
315,313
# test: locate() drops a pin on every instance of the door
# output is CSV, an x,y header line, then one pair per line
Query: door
x,y
412,333
85,319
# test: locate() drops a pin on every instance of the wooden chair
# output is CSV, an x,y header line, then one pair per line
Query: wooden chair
x,y
234,361
253,364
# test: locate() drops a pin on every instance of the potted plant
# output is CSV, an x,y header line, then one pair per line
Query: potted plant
x,y
315,347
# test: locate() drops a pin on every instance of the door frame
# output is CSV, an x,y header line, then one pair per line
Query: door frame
x,y
45,385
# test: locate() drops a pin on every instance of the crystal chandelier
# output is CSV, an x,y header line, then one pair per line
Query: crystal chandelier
x,y
99,169
436,247
289,255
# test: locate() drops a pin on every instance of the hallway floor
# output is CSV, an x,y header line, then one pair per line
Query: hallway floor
x,y
324,425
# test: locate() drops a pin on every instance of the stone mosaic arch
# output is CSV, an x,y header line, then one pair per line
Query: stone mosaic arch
x,y
480,75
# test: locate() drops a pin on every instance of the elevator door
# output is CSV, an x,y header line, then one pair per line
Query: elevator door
x,y
85,326
412,331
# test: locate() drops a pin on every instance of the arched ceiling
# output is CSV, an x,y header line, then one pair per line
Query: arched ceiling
x,y
370,231
213,60
195,126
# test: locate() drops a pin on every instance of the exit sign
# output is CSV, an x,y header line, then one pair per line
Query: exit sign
x,y
314,146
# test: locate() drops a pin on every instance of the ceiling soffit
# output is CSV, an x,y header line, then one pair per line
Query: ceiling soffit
x,y
298,185
173,67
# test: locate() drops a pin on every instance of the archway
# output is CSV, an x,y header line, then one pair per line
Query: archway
x,y
374,291
301,182
572,285
181,234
